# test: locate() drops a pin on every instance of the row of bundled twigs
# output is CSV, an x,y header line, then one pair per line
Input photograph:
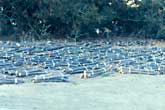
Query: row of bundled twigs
x,y
56,61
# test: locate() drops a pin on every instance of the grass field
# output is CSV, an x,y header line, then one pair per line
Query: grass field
x,y
114,92
120,92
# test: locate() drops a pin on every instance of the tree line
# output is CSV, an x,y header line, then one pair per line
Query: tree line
x,y
42,19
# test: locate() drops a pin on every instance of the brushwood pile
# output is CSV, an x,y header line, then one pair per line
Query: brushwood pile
x,y
60,61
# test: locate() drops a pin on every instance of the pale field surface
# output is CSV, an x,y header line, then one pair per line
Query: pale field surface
x,y
160,43
115,92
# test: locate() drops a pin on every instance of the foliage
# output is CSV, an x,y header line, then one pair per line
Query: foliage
x,y
81,18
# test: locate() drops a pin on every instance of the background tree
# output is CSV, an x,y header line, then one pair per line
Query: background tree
x,y
41,19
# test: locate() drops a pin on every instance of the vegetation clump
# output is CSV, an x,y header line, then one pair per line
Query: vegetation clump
x,y
42,19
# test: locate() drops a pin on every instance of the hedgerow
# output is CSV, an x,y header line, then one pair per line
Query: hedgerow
x,y
42,19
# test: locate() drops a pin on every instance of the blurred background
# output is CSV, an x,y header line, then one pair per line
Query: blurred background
x,y
78,19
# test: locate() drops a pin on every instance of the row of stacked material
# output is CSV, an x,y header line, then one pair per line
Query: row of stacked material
x,y
56,61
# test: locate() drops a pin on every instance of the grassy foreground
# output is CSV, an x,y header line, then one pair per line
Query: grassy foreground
x,y
114,92
119,92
